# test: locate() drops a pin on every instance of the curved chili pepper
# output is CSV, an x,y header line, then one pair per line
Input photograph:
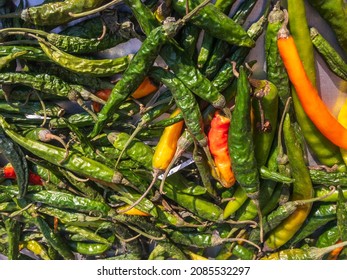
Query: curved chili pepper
x,y
308,94
302,189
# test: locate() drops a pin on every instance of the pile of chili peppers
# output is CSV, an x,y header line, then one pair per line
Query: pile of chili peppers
x,y
179,147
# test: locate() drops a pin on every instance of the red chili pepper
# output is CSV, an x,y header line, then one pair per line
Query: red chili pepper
x,y
218,144
8,172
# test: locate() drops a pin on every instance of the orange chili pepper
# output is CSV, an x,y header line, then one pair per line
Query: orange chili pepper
x,y
146,88
218,145
308,95
167,144
335,253
133,211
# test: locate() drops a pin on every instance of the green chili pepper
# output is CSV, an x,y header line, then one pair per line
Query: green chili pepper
x,y
265,173
321,177
334,61
31,53
241,146
334,13
13,229
4,61
265,105
16,157
48,84
53,14
32,108
320,215
216,23
54,239
275,70
328,237
341,213
188,39
69,201
302,189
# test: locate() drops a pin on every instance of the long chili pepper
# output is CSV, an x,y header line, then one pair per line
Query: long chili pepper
x,y
242,155
341,117
16,157
52,14
74,44
32,108
31,53
333,59
308,94
167,144
215,22
335,14
321,146
302,189
218,145
48,84
276,73
138,67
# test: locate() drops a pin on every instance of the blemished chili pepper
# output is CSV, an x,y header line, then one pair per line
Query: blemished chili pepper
x,y
321,146
341,214
53,14
216,23
335,14
14,154
48,84
85,234
308,94
188,39
241,146
311,253
265,106
320,215
5,60
138,68
332,58
13,229
302,189
218,145
275,70
76,163
31,53
37,248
